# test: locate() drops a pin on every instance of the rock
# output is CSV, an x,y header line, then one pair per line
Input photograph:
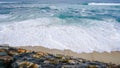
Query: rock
x,y
71,61
36,56
35,66
4,45
5,59
21,50
26,64
2,65
73,66
3,53
48,66
12,53
92,66
2,50
46,62
58,56
41,53
20,58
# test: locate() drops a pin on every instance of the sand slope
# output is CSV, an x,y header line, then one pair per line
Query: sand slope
x,y
113,57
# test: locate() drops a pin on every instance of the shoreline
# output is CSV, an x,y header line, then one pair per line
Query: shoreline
x,y
14,57
107,57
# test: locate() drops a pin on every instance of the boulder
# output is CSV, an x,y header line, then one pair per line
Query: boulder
x,y
3,53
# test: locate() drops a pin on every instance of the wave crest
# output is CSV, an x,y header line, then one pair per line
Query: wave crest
x,y
104,4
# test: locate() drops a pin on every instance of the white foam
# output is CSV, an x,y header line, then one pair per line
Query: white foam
x,y
100,37
104,4
4,16
6,2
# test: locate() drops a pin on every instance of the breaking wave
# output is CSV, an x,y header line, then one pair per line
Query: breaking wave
x,y
76,27
6,2
104,4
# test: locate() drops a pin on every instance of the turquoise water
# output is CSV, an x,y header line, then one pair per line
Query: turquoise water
x,y
79,27
20,11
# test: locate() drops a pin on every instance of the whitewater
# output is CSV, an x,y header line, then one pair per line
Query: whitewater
x,y
78,27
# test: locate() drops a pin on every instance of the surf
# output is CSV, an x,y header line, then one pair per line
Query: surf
x,y
115,4
80,28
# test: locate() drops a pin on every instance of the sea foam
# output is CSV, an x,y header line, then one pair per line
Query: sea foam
x,y
80,28
76,38
104,4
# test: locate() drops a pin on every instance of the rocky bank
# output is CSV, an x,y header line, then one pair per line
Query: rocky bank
x,y
11,57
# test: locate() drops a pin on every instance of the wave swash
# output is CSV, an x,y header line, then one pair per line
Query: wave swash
x,y
80,28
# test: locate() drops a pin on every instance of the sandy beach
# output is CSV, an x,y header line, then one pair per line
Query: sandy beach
x,y
113,57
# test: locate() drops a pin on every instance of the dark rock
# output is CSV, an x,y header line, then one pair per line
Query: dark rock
x,y
20,58
2,65
3,53
73,66
4,45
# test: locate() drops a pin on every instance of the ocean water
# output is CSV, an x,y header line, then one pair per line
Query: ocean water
x,y
84,27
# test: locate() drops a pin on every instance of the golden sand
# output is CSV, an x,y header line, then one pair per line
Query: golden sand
x,y
113,57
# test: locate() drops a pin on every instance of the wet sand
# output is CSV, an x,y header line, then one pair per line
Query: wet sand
x,y
113,57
